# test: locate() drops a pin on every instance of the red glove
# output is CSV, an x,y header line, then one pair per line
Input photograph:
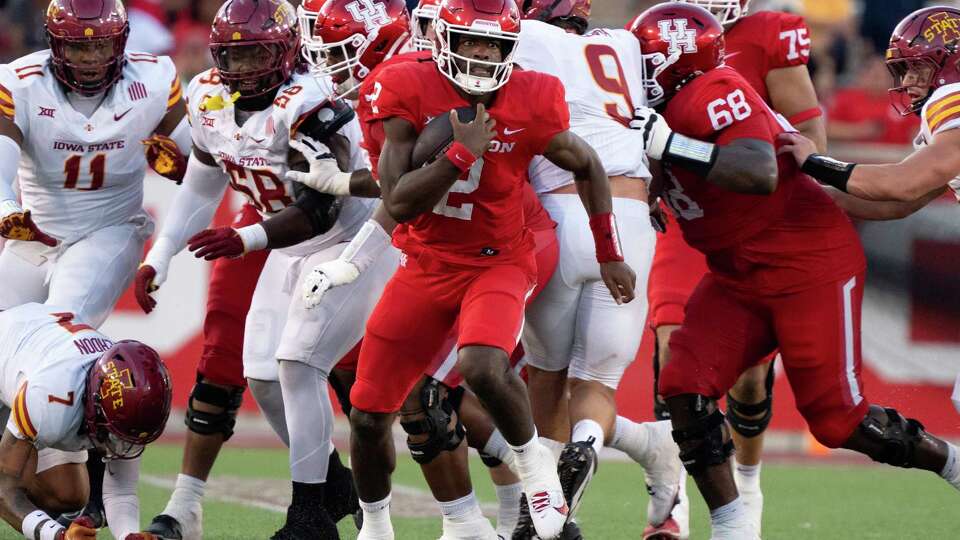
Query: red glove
x,y
19,226
142,536
81,529
216,243
165,157
143,286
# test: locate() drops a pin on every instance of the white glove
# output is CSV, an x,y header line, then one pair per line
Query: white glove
x,y
326,275
325,175
656,132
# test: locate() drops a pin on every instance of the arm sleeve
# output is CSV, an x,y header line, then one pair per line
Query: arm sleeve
x,y
554,116
120,496
181,136
192,210
9,160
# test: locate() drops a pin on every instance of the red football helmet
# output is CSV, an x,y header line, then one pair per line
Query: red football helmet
x,y
420,20
923,56
87,38
726,11
573,14
350,37
484,19
678,42
127,400
255,45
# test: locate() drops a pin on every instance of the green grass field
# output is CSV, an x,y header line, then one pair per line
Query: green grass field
x,y
817,502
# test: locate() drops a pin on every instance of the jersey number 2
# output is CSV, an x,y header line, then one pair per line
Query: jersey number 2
x,y
465,210
98,169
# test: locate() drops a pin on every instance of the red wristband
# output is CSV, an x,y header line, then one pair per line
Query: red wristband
x,y
803,116
606,238
461,158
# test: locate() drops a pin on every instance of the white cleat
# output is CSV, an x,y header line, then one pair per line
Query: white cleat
x,y
545,501
753,506
738,531
662,472
363,535
479,529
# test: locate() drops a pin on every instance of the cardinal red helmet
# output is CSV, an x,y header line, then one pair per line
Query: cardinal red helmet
x,y
572,14
127,400
421,18
923,56
678,42
726,11
350,37
484,19
87,38
255,45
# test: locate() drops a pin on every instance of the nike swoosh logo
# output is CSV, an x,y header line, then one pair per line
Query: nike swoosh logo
x,y
258,141
508,131
117,117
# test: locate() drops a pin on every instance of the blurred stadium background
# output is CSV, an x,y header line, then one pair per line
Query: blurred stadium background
x,y
911,326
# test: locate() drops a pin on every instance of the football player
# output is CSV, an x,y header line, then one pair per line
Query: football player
x,y
67,389
73,118
466,242
244,113
770,49
574,331
923,58
786,271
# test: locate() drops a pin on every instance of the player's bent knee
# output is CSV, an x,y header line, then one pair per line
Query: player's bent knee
x,y
483,368
433,426
749,419
369,426
895,436
60,490
212,409
699,433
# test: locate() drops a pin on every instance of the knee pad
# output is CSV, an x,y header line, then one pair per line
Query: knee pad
x,y
737,413
701,443
898,437
660,411
437,410
207,423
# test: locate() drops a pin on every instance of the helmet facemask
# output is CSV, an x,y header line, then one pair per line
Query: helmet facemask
x,y
88,65
726,11
654,65
421,20
917,74
340,61
252,68
461,70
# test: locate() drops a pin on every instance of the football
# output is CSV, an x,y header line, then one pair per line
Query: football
x,y
437,136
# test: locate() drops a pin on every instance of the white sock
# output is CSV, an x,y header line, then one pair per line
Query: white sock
x,y
631,438
728,514
509,511
187,492
555,447
376,517
459,511
951,470
497,447
747,476
588,428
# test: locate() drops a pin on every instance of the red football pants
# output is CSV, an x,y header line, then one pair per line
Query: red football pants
x,y
232,282
419,308
677,269
817,331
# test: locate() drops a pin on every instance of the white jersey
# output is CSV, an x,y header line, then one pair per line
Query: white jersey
x,y
44,358
80,174
255,155
940,113
601,73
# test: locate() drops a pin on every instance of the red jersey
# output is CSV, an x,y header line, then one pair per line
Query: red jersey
x,y
764,41
789,240
373,135
481,218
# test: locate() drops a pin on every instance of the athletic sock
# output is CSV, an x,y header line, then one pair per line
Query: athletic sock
x,y
951,470
376,517
728,514
187,493
631,438
308,495
509,510
497,447
462,510
585,429
747,476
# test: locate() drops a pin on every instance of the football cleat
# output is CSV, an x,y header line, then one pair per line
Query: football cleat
x,y
662,471
93,511
524,529
340,493
752,499
578,464
478,529
668,530
307,524
166,528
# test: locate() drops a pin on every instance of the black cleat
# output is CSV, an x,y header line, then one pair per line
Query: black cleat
x,y
93,510
307,524
166,528
340,493
578,464
571,531
524,529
